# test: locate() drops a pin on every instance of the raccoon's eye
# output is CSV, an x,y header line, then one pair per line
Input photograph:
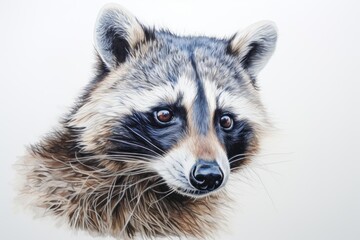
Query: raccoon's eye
x,y
163,116
226,122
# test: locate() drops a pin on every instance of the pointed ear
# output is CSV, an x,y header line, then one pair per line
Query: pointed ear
x,y
117,33
254,46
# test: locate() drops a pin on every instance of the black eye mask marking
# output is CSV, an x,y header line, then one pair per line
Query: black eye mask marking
x,y
236,141
142,133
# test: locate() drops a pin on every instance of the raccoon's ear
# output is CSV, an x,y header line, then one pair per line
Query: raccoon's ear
x,y
254,46
117,33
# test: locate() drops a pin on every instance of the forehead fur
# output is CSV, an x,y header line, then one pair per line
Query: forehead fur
x,y
166,61
169,56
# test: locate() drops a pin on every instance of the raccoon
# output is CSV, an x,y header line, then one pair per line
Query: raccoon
x,y
148,148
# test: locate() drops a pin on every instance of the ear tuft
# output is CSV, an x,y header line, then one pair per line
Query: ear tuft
x,y
254,46
117,32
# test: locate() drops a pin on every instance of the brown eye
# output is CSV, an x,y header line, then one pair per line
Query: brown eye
x,y
226,122
164,116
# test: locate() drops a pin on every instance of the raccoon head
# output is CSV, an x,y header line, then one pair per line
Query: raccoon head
x,y
167,119
188,104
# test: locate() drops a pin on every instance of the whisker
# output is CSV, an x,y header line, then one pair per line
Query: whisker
x,y
265,188
275,162
238,155
146,140
169,192
260,154
134,144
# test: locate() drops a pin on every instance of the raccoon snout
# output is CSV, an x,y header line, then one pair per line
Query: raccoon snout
x,y
206,175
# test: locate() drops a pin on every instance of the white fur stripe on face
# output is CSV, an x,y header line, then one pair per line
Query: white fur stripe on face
x,y
187,87
243,107
210,93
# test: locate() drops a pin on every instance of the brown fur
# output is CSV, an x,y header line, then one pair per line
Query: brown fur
x,y
91,197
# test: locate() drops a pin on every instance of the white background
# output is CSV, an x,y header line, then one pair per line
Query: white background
x,y
306,185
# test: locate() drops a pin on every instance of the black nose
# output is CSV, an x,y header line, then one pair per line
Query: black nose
x,y
206,175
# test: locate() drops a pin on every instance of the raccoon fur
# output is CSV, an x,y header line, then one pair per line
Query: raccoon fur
x,y
148,148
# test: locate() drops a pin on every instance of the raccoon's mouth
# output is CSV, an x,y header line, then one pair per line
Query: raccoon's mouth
x,y
199,192
182,192
194,192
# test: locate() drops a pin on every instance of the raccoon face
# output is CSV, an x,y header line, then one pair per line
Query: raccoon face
x,y
189,106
